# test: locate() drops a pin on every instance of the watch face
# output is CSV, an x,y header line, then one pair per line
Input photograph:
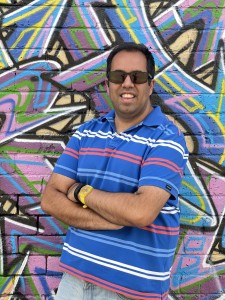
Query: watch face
x,y
85,189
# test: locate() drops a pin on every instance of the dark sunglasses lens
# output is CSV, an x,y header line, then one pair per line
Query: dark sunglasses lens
x,y
116,76
139,77
136,76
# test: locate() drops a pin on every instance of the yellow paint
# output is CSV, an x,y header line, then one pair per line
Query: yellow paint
x,y
31,12
9,288
201,202
2,58
196,106
221,97
5,2
127,22
216,118
40,25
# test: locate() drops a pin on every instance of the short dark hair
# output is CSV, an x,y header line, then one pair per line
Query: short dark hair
x,y
132,47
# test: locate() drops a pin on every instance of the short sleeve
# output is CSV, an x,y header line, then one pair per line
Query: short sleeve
x,y
164,163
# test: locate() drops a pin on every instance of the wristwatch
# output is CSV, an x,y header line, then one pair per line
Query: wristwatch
x,y
83,193
77,190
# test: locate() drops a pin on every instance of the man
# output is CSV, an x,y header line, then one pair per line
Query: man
x,y
116,186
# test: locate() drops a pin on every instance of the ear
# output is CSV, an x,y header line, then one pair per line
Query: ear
x,y
151,86
107,86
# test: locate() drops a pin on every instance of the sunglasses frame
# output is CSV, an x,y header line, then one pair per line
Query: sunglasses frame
x,y
122,75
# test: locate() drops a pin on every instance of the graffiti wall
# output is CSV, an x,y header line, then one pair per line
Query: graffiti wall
x,y
52,61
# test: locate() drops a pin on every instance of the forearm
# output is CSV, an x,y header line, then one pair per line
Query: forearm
x,y
138,209
74,214
120,208
111,206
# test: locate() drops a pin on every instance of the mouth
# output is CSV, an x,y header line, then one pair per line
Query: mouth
x,y
127,96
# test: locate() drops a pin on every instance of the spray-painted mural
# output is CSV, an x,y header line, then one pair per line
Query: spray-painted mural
x,y
52,61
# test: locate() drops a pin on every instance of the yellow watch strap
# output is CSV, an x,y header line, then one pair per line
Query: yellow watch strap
x,y
83,193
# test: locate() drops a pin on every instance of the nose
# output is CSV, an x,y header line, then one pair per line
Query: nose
x,y
127,82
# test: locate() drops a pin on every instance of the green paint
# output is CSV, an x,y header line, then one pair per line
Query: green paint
x,y
107,98
65,226
11,149
198,284
22,105
86,34
33,287
23,248
96,78
181,239
195,11
3,280
21,175
86,77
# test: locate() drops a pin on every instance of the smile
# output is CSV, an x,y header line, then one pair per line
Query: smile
x,y
127,96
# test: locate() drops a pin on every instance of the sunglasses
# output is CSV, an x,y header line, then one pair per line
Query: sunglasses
x,y
137,77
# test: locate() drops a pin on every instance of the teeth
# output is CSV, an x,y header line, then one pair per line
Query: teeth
x,y
127,96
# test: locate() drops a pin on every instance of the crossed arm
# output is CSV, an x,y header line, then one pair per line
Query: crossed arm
x,y
106,210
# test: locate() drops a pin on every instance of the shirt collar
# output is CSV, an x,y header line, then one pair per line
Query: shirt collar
x,y
155,118
110,116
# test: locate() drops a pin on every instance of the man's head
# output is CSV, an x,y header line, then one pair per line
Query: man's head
x,y
130,72
132,47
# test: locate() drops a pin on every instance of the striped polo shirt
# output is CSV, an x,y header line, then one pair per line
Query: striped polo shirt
x,y
135,262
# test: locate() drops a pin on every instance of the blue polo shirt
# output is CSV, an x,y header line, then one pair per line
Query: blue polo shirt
x,y
132,261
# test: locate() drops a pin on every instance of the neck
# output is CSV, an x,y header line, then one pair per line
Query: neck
x,y
123,123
